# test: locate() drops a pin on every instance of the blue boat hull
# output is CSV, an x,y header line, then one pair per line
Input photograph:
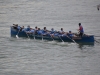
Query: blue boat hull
x,y
84,39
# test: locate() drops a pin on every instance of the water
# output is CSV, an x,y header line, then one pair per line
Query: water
x,y
37,57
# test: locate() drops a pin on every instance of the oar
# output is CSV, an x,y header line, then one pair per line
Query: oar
x,y
42,37
17,34
52,37
33,35
60,38
96,40
71,39
27,36
97,36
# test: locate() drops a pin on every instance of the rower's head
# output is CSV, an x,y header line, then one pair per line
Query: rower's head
x,y
22,26
61,28
44,28
28,26
36,27
70,32
79,24
52,29
15,25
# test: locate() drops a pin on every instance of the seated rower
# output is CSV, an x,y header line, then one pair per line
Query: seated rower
x,y
15,26
28,28
39,31
32,31
52,31
56,33
45,31
62,31
70,34
19,28
22,28
36,29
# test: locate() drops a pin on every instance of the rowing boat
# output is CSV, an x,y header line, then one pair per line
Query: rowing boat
x,y
64,38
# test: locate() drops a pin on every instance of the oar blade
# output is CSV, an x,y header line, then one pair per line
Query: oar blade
x,y
17,36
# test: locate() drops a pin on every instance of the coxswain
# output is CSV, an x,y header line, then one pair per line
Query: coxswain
x,y
81,30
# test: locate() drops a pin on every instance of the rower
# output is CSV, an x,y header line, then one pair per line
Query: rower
x,y
52,31
15,26
28,28
19,28
36,29
32,31
22,28
70,34
39,31
62,31
45,31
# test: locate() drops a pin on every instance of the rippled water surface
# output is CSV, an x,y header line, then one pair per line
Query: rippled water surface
x,y
37,57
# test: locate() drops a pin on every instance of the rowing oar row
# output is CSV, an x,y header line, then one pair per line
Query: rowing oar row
x,y
61,38
50,36
58,36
